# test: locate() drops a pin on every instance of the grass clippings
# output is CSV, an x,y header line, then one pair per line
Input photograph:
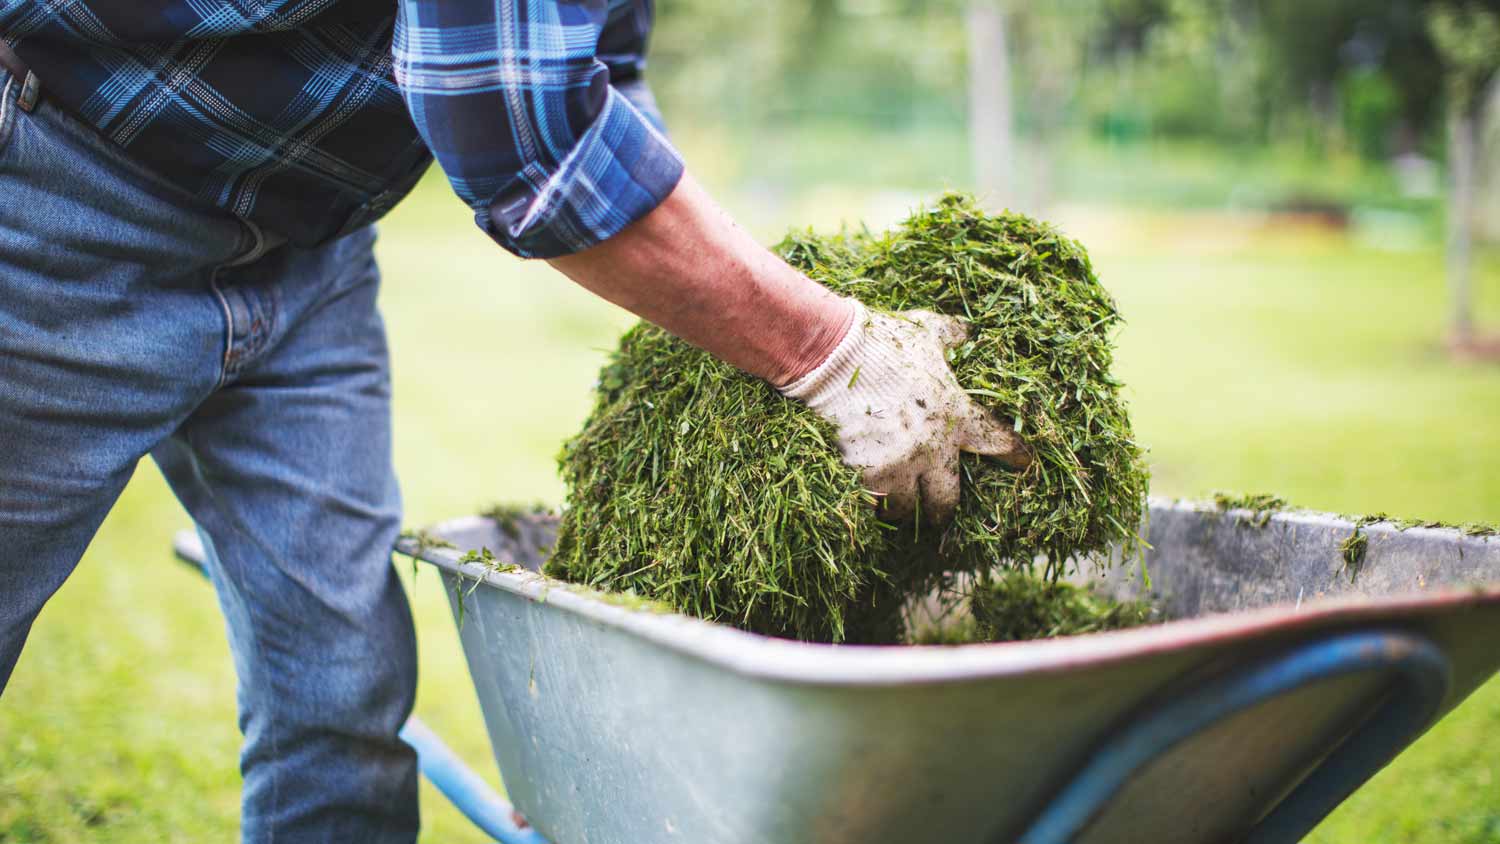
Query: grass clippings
x,y
425,542
1470,529
1352,550
1262,505
508,517
464,584
696,485
1018,606
1385,518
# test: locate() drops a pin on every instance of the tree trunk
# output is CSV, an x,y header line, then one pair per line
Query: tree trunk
x,y
1487,227
991,133
1463,167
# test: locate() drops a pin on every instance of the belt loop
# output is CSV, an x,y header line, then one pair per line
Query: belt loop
x,y
31,89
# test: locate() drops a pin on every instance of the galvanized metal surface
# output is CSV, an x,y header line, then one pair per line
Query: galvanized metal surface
x,y
1420,676
612,725
1207,560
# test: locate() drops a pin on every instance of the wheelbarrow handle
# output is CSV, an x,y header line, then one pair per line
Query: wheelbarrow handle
x,y
466,790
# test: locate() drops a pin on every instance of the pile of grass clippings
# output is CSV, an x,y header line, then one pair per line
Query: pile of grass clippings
x,y
696,485
1017,607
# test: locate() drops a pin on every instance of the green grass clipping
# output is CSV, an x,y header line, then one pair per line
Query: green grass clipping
x,y
696,485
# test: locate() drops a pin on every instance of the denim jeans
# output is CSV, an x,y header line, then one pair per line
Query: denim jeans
x,y
135,319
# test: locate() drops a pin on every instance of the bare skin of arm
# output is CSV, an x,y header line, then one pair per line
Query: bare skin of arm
x,y
688,268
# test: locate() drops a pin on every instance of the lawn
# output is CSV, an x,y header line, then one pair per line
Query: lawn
x,y
1259,357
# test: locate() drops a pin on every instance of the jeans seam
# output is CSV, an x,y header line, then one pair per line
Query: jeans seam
x,y
270,308
257,248
240,584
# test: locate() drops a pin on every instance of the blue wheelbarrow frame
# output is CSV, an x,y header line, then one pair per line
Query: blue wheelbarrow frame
x,y
1340,662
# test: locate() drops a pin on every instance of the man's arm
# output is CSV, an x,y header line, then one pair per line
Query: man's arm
x,y
558,164
690,269
882,379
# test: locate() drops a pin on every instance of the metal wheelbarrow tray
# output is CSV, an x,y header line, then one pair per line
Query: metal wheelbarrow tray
x,y
1291,679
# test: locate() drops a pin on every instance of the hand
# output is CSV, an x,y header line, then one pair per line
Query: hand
x,y
901,415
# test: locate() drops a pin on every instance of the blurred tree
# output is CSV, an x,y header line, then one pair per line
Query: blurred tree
x,y
884,63
991,112
1306,42
1371,106
1125,26
1467,37
1337,78
1351,66
1027,62
1050,43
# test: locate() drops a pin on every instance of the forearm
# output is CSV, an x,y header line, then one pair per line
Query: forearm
x,y
688,268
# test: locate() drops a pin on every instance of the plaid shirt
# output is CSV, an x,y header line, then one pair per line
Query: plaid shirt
x,y
314,117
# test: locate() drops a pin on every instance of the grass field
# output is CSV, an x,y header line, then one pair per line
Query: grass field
x,y
1259,357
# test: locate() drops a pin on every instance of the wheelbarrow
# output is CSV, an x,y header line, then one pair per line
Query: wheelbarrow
x,y
1298,666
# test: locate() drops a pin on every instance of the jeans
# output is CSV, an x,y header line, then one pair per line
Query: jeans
x,y
136,319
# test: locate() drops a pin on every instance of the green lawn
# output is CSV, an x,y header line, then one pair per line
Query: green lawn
x,y
1293,361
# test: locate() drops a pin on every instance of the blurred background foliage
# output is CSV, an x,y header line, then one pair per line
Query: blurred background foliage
x,y
1358,83
1382,119
1340,76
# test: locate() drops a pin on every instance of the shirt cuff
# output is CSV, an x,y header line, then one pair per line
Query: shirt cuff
x,y
621,169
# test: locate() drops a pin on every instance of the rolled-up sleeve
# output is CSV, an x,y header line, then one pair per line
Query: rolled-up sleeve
x,y
518,109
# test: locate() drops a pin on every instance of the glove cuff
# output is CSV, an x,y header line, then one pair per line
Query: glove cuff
x,y
840,363
839,368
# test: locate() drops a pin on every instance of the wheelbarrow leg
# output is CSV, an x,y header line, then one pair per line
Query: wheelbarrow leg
x,y
466,790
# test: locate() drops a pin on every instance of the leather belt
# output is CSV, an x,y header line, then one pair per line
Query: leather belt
x,y
31,88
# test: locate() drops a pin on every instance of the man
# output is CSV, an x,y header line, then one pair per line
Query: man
x,y
186,272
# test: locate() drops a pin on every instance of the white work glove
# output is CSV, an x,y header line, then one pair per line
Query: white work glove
x,y
901,415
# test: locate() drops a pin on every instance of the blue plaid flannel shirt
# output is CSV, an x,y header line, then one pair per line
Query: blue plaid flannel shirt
x,y
313,117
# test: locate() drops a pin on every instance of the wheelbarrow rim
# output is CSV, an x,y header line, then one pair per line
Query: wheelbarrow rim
x,y
810,663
